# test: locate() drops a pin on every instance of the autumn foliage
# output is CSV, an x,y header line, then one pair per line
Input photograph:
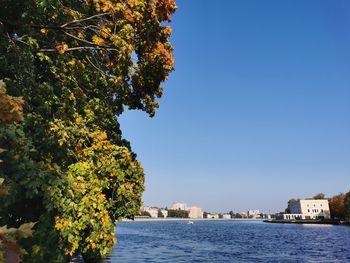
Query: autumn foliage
x,y
10,112
76,65
336,205
11,109
339,206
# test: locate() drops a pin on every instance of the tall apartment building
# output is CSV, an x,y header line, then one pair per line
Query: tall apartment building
x,y
179,206
195,212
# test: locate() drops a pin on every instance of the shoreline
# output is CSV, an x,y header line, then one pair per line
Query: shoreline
x,y
189,219
315,222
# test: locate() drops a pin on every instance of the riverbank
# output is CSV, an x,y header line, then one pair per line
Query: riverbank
x,y
141,219
319,222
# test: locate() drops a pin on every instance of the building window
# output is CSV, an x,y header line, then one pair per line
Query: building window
x,y
308,210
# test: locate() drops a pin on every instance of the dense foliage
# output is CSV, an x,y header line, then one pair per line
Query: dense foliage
x,y
144,213
77,64
178,213
339,206
319,196
10,114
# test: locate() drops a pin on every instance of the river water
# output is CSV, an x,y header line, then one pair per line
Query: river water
x,y
229,241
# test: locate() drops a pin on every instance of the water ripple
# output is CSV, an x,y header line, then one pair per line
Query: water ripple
x,y
229,241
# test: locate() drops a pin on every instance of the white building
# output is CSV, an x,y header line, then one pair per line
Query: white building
x,y
213,216
152,211
226,216
165,213
179,206
243,214
195,212
253,213
308,209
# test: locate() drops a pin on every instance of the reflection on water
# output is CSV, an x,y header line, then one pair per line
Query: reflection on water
x,y
230,241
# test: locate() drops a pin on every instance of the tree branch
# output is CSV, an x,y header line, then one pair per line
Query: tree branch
x,y
97,68
79,39
63,26
84,19
78,48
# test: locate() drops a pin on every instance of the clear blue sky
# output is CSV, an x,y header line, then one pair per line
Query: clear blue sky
x,y
258,109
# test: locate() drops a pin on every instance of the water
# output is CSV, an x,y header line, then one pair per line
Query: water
x,y
229,241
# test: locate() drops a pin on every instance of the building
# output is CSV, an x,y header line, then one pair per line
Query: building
x,y
254,213
165,213
243,214
195,212
152,211
308,209
213,216
226,216
179,206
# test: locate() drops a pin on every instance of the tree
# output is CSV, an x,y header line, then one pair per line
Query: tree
x,y
238,215
77,65
287,210
160,214
347,207
178,213
336,206
232,214
10,114
205,214
145,213
319,196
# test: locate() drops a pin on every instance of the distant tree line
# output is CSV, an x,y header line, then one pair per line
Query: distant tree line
x,y
235,215
178,213
231,213
145,213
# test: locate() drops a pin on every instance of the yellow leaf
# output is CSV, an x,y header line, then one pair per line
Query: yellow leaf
x,y
58,226
61,47
71,63
98,41
101,197
81,35
105,32
71,96
36,249
25,230
44,31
